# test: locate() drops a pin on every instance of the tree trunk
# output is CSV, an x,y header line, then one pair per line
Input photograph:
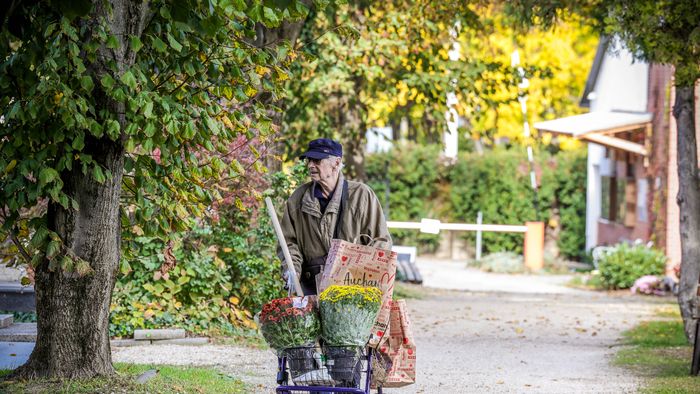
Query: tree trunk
x,y
353,122
73,310
689,203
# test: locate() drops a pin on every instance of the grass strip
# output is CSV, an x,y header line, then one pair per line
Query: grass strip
x,y
659,352
169,379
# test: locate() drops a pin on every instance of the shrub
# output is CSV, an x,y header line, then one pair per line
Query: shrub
x,y
412,174
621,265
496,183
501,263
217,275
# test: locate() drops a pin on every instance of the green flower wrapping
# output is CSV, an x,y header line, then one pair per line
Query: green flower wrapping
x,y
348,313
290,322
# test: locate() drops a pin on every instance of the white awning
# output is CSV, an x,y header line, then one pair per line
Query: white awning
x,y
596,122
599,127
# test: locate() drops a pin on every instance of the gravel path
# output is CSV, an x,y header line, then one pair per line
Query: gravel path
x,y
560,341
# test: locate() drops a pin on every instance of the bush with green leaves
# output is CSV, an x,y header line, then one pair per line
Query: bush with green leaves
x,y
413,178
622,264
208,279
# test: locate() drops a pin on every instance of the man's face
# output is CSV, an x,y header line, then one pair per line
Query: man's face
x,y
322,169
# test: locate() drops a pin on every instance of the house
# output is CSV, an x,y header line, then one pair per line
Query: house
x,y
632,178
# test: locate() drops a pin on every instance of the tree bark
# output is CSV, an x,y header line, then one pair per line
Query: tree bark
x,y
353,115
689,203
271,37
73,310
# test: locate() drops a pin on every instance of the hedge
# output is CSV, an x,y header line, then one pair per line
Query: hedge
x,y
496,183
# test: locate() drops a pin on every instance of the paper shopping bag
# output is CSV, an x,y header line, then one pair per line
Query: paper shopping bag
x,y
397,350
363,265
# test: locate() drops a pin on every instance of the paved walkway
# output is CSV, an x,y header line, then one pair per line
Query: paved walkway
x,y
447,274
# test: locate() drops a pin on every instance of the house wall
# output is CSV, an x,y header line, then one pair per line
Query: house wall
x,y
621,86
658,171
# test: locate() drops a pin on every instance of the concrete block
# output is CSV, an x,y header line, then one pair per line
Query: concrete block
x,y
19,332
182,341
164,333
127,342
6,320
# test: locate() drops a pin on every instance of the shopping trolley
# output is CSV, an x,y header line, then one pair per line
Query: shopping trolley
x,y
325,369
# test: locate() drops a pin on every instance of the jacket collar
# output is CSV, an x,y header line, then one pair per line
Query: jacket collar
x,y
311,206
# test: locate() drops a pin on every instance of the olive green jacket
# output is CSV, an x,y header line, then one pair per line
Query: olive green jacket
x,y
308,232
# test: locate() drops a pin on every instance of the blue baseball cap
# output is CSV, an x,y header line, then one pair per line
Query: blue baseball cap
x,y
322,148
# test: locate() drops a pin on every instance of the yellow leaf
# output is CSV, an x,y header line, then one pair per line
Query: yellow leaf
x,y
10,166
234,300
136,229
228,250
518,330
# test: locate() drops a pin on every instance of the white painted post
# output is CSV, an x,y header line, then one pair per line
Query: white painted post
x,y
479,218
450,136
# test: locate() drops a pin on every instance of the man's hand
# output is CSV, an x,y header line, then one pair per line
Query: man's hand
x,y
285,276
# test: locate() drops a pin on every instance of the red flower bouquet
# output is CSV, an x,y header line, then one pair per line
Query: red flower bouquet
x,y
290,322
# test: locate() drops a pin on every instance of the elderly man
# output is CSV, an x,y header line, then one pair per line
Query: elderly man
x,y
328,207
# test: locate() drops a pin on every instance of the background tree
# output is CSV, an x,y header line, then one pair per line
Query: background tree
x,y
96,97
360,52
665,32
376,64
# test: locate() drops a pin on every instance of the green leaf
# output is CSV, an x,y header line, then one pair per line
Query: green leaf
x,y
271,16
86,83
10,166
79,142
189,69
212,125
98,174
107,81
128,79
150,129
39,237
112,128
95,129
67,263
159,45
135,43
124,266
52,249
112,42
47,175
173,43
148,109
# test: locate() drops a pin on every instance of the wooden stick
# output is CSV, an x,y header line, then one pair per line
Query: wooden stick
x,y
283,245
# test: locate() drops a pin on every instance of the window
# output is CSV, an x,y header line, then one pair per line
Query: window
x,y
617,195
